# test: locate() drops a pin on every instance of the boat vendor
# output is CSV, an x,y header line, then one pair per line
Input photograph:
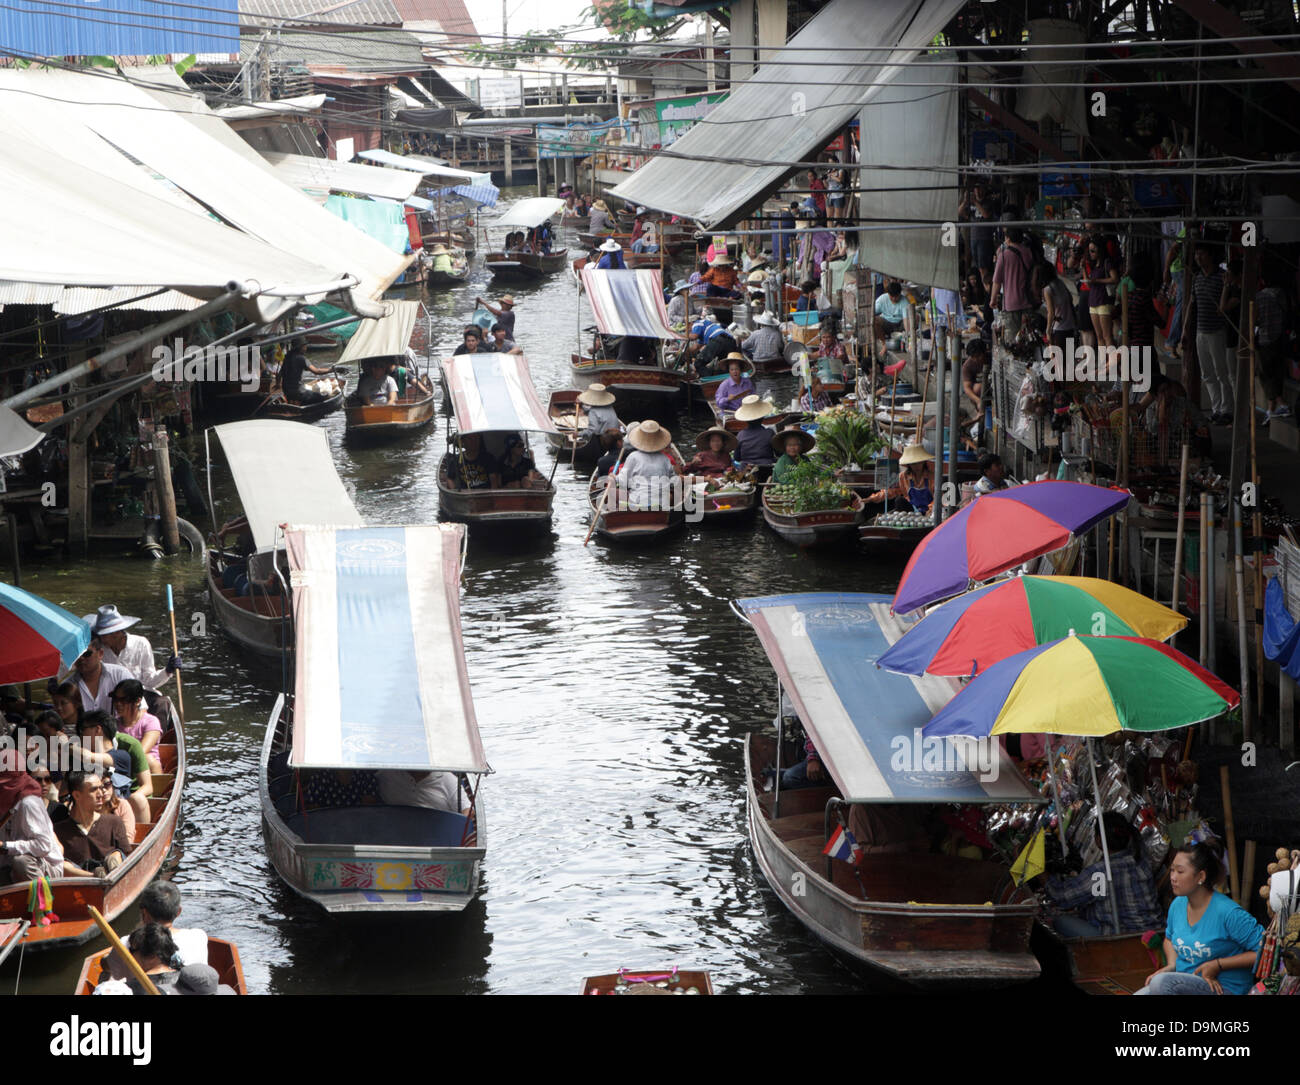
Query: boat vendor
x,y
1210,940
721,278
295,381
733,390
505,313
915,481
611,256
829,355
376,388
793,444
754,442
473,341
1087,915
601,416
814,397
765,344
715,446
648,466
677,304
890,311
599,221
474,468
993,474
441,259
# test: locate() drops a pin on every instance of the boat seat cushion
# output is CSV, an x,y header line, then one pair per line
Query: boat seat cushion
x,y
398,826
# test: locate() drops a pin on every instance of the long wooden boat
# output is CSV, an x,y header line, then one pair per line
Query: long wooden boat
x,y
255,621
411,412
223,956
439,280
813,528
1112,964
730,507
506,508
567,415
671,981
276,406
626,525
671,243
638,387
905,914
116,892
389,606
525,266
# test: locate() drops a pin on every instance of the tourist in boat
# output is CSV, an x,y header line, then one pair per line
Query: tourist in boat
x,y
915,483
121,755
765,344
972,372
49,726
648,467
754,442
472,341
505,312
1087,915
517,470
713,456
429,790
441,260
66,699
1210,941
611,256
732,391
649,239
96,679
721,278
993,474
793,444
677,305
601,416
129,650
500,343
296,376
376,388
135,720
93,842
160,903
808,772
890,312
612,440
474,468
28,847
814,397
154,950
599,220
638,350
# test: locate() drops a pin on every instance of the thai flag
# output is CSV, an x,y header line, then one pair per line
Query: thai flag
x,y
841,845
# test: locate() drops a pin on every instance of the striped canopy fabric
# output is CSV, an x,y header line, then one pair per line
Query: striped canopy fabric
x,y
628,302
494,392
866,722
37,638
381,681
484,193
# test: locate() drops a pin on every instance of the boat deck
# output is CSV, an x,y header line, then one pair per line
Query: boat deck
x,y
388,826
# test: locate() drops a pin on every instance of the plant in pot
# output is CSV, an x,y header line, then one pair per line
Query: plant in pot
x,y
810,487
847,439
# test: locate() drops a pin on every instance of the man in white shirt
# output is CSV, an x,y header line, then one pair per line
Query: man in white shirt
x,y
128,650
431,790
97,679
376,388
161,903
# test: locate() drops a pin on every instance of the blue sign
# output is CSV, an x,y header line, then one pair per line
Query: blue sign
x,y
577,140
1066,179
117,28
1159,191
992,144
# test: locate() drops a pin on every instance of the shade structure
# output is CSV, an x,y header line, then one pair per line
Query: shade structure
x,y
426,167
37,638
1087,686
628,302
494,393
483,193
969,634
327,174
386,337
16,436
998,532
531,212
285,474
380,679
866,722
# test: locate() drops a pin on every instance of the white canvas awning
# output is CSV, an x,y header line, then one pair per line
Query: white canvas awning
x,y
303,105
284,473
530,212
426,166
326,174
16,436
386,337
785,114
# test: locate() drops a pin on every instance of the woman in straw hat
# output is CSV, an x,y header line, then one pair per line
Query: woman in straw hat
x,y
793,444
647,468
713,457
731,392
599,221
754,444
441,259
722,278
915,480
601,416
611,256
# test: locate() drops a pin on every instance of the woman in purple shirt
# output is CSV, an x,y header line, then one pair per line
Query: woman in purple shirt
x,y
732,391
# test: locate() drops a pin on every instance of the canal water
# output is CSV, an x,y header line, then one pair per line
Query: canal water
x,y
613,687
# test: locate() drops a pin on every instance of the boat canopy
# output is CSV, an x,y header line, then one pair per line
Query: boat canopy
x,y
427,167
378,219
530,212
380,678
494,393
328,174
387,337
483,193
628,302
866,722
285,474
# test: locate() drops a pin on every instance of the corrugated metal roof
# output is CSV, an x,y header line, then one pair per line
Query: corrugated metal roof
x,y
124,28
12,293
376,50
778,116
305,172
81,299
451,15
259,13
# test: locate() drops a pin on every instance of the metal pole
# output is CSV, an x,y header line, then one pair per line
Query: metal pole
x,y
1105,848
1243,650
938,359
1212,587
780,735
1056,794
13,546
1178,542
1204,623
954,412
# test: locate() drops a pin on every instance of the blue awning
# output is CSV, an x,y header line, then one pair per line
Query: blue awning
x,y
866,722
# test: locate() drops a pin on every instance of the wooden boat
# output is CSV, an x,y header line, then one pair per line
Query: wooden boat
x,y
1112,964
903,538
222,956
398,586
11,936
285,473
728,508
906,915
622,524
638,387
440,279
813,528
727,419
388,340
671,244
116,892
519,266
276,406
411,412
672,981
515,508
568,416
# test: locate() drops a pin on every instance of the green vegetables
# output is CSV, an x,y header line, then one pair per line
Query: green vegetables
x,y
845,435
809,487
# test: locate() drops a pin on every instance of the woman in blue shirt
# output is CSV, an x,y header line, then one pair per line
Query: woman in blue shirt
x,y
1210,940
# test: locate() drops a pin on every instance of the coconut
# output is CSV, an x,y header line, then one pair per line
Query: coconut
x,y
1283,855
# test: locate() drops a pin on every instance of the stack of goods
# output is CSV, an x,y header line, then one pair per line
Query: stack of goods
x,y
1278,969
906,518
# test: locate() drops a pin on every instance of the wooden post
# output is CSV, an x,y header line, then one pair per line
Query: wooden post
x,y
1230,834
166,495
1257,533
1120,522
508,170
1204,555
541,175
1247,873
78,491
1178,541
1243,650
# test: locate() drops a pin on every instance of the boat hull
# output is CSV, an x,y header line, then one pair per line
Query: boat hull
x,y
524,266
631,525
389,420
439,280
505,507
638,387
814,528
223,956
299,412
253,622
728,510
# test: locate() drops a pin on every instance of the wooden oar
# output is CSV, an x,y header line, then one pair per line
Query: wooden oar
x,y
171,613
131,963
609,481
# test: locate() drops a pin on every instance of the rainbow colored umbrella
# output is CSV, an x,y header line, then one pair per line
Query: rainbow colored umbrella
x,y
999,531
37,639
1085,685
969,634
